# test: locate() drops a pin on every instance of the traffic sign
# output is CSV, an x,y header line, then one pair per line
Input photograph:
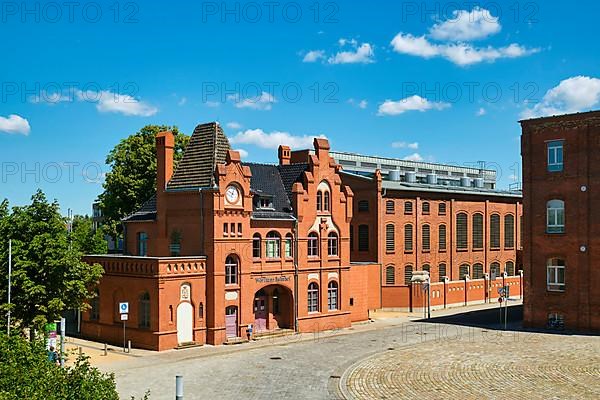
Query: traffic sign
x,y
425,287
500,299
501,291
124,317
124,308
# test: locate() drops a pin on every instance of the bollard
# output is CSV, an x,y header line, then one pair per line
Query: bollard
x,y
129,346
178,387
105,349
80,350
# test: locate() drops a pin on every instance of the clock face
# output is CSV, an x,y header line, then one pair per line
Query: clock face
x,y
232,194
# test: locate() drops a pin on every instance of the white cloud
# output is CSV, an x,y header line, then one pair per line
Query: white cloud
x,y
405,145
15,124
414,157
413,103
50,98
481,112
243,153
272,140
234,125
461,54
362,104
466,25
212,104
575,94
107,101
264,101
314,56
362,54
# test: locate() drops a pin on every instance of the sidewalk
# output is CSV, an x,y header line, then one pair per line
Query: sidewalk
x,y
117,360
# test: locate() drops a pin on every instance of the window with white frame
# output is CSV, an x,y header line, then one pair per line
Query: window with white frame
x,y
313,297
332,244
332,296
556,275
231,270
313,245
555,156
273,245
555,216
289,242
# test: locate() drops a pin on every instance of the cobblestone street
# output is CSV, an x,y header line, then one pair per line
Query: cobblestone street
x,y
404,360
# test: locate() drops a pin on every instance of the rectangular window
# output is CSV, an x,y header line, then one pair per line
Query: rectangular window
x,y
555,156
556,275
390,240
232,229
239,231
225,229
363,238
408,238
288,247
442,238
390,207
142,244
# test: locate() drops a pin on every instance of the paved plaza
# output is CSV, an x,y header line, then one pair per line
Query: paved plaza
x,y
394,359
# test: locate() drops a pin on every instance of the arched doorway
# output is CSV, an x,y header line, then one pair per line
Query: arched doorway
x,y
273,308
185,323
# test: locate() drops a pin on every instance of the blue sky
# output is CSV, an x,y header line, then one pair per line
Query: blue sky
x,y
444,82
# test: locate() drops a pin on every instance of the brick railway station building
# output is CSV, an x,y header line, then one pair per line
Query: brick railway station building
x,y
562,227
313,243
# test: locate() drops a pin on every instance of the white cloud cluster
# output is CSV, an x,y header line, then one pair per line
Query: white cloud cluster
x,y
405,145
15,124
107,101
362,104
272,140
575,94
351,52
414,157
234,125
263,102
476,24
412,103
455,34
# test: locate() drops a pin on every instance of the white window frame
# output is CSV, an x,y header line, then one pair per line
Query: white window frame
x,y
552,275
555,151
553,223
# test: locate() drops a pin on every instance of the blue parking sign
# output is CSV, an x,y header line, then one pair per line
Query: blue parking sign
x,y
124,308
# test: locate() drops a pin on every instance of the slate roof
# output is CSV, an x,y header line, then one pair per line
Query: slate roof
x,y
146,213
208,147
275,181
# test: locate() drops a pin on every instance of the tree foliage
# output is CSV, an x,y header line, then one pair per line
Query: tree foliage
x,y
26,373
85,239
48,275
132,178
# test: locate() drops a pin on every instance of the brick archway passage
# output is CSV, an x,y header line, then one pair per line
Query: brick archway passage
x,y
516,365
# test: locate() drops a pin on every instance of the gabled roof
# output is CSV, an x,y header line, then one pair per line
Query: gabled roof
x,y
146,213
208,147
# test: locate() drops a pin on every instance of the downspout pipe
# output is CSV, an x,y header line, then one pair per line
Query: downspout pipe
x,y
296,246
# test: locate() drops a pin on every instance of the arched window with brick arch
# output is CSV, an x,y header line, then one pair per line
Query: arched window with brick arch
x,y
332,244
273,245
313,297
144,311
231,270
390,275
313,244
461,231
332,296
256,245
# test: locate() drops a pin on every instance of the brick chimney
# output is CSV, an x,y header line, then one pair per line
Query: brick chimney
x,y
285,154
165,143
322,149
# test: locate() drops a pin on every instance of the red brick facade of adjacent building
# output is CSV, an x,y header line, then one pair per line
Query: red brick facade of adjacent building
x,y
561,170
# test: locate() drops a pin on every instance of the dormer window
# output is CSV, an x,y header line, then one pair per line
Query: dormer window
x,y
264,202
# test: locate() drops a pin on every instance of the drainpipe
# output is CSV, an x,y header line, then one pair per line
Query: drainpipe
x,y
296,276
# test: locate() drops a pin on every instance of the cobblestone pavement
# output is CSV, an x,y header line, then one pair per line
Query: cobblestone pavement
x,y
535,366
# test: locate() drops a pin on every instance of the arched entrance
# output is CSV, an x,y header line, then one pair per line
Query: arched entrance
x,y
185,323
273,308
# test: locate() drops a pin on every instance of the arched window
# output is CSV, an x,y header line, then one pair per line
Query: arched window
x,y
463,271
319,201
510,268
426,238
555,216
332,296
408,237
495,269
425,208
442,237
144,311
289,246
477,231
313,297
408,207
363,238
556,274
389,206
332,244
326,201
390,238
461,231
95,306
478,271
363,205
231,270
442,271
390,275
256,246
407,274
273,245
442,209
313,245
509,231
495,231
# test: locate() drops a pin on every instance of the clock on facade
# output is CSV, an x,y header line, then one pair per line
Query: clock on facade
x,y
232,194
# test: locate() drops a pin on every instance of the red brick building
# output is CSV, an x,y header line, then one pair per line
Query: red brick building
x,y
562,230
298,246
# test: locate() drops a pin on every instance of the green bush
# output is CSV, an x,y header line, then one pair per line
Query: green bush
x,y
26,373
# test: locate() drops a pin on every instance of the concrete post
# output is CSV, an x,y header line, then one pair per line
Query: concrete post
x,y
179,387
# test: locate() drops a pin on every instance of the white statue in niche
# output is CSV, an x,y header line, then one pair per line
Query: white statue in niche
x,y
185,292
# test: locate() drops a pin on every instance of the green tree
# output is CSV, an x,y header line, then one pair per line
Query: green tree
x,y
132,177
48,276
85,239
